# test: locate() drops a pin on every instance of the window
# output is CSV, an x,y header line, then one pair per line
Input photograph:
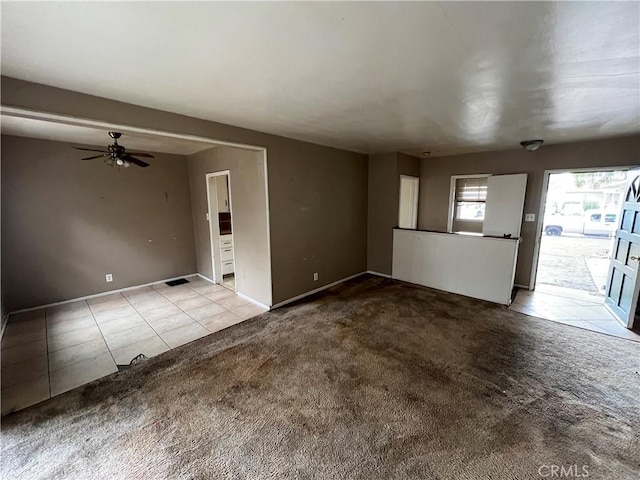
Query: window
x,y
610,218
596,217
468,201
470,198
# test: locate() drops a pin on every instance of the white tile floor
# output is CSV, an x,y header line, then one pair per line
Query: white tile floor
x,y
571,307
49,351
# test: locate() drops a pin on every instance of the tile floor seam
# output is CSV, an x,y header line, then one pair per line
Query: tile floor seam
x,y
104,339
187,313
54,319
145,321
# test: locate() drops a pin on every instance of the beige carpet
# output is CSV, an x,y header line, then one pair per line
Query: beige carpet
x,y
373,379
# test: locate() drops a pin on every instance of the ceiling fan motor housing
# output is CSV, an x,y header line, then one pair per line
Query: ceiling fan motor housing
x,y
116,150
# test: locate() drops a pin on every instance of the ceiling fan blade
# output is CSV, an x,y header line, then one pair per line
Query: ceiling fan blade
x,y
134,160
90,149
144,155
96,156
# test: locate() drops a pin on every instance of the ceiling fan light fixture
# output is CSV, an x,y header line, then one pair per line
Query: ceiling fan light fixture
x,y
117,155
531,145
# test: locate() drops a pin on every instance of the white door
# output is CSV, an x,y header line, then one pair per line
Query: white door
x,y
409,194
623,281
505,204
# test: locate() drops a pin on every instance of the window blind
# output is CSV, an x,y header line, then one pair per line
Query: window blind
x,y
471,189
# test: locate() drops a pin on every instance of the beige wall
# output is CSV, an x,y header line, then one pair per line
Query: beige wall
x,y
384,202
249,216
66,223
436,180
317,195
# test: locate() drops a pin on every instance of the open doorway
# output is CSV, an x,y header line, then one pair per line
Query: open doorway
x,y
221,227
581,222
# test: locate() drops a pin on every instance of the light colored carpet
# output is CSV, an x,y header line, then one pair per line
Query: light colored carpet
x,y
373,379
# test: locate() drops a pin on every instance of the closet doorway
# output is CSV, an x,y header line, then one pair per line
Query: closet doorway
x,y
220,218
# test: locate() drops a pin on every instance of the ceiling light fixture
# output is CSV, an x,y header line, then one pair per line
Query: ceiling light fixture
x,y
426,154
531,145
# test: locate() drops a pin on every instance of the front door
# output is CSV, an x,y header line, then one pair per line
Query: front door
x,y
623,281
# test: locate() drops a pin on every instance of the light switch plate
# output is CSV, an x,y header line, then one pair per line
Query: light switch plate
x,y
529,217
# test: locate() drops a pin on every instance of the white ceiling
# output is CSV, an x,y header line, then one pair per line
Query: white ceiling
x,y
133,141
441,76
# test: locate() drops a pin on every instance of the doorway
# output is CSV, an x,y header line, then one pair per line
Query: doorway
x,y
578,242
220,219
579,219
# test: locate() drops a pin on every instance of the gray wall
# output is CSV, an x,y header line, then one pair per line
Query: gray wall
x,y
249,216
317,195
384,202
66,223
435,180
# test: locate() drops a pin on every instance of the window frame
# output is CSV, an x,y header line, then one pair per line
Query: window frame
x,y
452,197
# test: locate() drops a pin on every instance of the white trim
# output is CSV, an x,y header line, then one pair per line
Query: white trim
x,y
5,321
209,224
268,208
526,287
205,278
215,232
86,122
378,274
299,297
103,294
242,295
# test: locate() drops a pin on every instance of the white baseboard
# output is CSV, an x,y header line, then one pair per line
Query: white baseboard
x,y
255,302
526,287
204,278
5,320
242,295
299,297
379,274
96,295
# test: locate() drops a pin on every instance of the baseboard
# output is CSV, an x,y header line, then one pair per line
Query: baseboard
x,y
255,302
242,295
96,295
379,274
204,277
299,297
526,287
5,320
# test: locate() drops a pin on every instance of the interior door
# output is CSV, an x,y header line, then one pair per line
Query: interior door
x,y
623,281
408,209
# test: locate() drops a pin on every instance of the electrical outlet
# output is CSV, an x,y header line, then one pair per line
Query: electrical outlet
x,y
109,277
315,277
529,217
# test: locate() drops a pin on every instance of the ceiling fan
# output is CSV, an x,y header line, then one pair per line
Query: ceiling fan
x,y
117,154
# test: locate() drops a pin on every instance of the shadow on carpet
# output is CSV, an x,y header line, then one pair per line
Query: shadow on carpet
x,y
371,379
